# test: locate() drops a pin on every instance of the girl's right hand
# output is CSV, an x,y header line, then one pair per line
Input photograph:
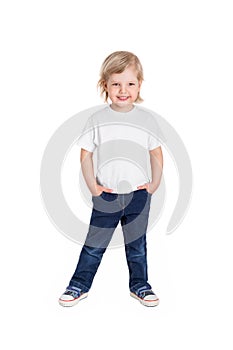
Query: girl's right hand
x,y
100,189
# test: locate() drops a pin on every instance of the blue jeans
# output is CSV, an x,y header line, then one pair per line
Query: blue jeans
x,y
132,210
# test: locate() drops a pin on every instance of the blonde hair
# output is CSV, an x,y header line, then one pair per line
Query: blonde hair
x,y
116,63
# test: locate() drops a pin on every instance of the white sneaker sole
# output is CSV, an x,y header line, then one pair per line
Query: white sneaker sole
x,y
149,303
73,302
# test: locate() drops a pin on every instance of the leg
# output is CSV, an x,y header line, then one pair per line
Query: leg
x,y
136,255
101,229
134,225
89,261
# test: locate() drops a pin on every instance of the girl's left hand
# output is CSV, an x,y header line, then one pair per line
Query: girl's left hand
x,y
148,186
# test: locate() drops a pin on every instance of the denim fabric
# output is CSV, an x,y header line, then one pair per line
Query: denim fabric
x,y
132,210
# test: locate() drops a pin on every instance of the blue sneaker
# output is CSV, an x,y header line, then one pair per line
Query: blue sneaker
x,y
146,297
71,297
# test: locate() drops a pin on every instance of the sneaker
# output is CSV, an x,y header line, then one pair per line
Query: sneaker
x,y
71,297
146,298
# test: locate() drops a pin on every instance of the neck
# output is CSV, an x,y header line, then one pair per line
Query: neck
x,y
123,109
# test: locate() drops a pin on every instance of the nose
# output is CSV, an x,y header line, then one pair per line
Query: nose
x,y
122,88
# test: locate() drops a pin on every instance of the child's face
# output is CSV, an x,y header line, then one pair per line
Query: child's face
x,y
123,89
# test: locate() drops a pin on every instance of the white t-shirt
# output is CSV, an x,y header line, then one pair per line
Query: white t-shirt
x,y
121,142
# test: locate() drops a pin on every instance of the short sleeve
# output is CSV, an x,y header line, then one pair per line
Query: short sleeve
x,y
153,142
154,133
86,139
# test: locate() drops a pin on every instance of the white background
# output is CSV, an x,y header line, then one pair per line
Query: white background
x,y
51,52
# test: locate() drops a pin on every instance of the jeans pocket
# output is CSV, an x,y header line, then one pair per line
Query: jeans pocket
x,y
150,194
100,195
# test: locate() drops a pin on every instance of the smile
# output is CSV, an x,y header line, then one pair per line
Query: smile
x,y
122,98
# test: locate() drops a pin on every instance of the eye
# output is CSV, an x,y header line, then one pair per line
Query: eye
x,y
115,84
131,84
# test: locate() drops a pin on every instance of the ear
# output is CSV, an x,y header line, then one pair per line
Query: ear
x,y
139,83
105,85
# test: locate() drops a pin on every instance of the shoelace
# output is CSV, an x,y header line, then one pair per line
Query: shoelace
x,y
73,293
146,292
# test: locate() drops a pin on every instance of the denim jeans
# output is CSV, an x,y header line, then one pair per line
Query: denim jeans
x,y
132,210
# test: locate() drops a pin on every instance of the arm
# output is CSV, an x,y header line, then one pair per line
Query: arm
x,y
86,159
156,161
